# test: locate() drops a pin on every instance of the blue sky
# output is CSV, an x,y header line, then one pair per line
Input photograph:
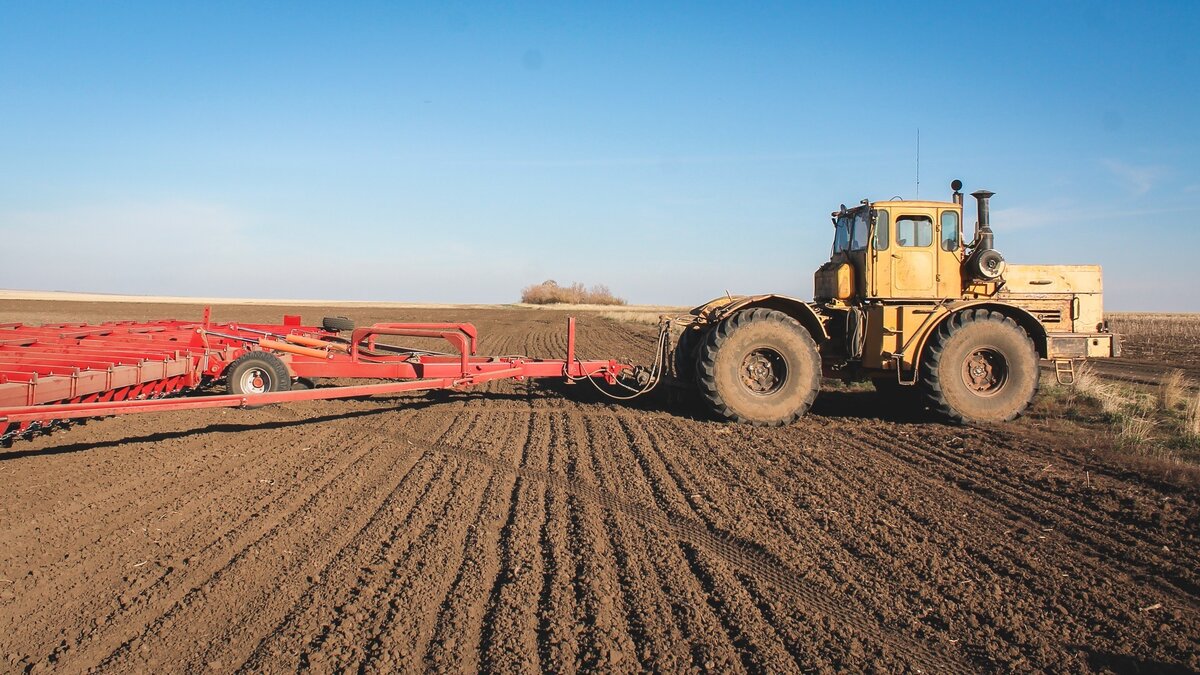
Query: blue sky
x,y
457,152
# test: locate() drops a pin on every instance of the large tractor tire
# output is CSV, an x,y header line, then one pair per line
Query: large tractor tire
x,y
980,366
686,354
257,373
759,366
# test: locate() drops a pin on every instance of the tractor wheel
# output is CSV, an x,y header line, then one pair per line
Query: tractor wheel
x,y
337,324
759,366
980,366
257,373
686,353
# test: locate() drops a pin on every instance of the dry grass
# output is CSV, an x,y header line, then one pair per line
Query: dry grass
x,y
1192,419
1161,424
1136,430
649,318
1088,384
550,293
1172,391
611,309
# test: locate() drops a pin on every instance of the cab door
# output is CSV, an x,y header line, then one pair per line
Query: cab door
x,y
881,255
859,253
950,253
914,255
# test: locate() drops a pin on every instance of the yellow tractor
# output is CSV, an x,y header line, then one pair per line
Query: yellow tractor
x,y
905,302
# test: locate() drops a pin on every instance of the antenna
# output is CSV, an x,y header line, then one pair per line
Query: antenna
x,y
918,163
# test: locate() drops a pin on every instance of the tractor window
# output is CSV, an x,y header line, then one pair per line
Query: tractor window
x,y
881,231
914,230
859,231
841,234
950,231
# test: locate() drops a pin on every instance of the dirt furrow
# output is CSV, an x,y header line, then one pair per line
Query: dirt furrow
x,y
1041,554
609,458
605,641
163,523
374,631
456,635
427,583
508,640
752,560
380,548
556,637
288,537
149,575
322,607
97,500
1038,508
762,520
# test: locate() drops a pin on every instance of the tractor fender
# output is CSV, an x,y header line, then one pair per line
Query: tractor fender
x,y
1024,319
717,309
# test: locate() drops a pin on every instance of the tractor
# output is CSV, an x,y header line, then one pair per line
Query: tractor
x,y
905,302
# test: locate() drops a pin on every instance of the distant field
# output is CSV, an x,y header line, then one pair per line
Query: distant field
x,y
67,296
1164,337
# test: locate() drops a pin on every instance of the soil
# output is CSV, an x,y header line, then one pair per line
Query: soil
x,y
526,528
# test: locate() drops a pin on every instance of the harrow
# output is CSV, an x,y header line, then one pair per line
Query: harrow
x,y
53,374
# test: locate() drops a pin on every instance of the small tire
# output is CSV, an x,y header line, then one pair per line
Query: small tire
x,y
759,366
257,373
337,324
980,366
302,383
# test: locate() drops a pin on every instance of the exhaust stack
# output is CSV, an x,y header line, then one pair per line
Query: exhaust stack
x,y
984,238
985,262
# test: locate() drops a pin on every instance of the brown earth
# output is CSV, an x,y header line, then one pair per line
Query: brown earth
x,y
532,528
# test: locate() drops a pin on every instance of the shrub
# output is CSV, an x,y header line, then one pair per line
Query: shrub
x,y
550,293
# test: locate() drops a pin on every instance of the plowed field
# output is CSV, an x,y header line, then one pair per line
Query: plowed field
x,y
525,528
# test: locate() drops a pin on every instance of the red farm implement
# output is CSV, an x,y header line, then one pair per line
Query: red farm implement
x,y
55,373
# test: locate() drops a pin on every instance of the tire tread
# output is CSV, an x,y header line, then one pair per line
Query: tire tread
x,y
712,343
930,365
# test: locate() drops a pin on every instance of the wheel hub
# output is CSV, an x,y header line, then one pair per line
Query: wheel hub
x,y
255,381
763,371
985,371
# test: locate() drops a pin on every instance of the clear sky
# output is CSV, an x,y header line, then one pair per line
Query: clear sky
x,y
458,152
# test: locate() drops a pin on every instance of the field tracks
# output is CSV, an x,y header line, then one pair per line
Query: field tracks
x,y
747,557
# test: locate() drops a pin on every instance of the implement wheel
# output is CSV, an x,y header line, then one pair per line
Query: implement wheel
x,y
980,366
759,366
257,373
337,324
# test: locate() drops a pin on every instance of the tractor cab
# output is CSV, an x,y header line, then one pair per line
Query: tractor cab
x,y
893,250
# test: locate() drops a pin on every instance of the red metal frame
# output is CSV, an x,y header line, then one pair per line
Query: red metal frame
x,y
67,371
